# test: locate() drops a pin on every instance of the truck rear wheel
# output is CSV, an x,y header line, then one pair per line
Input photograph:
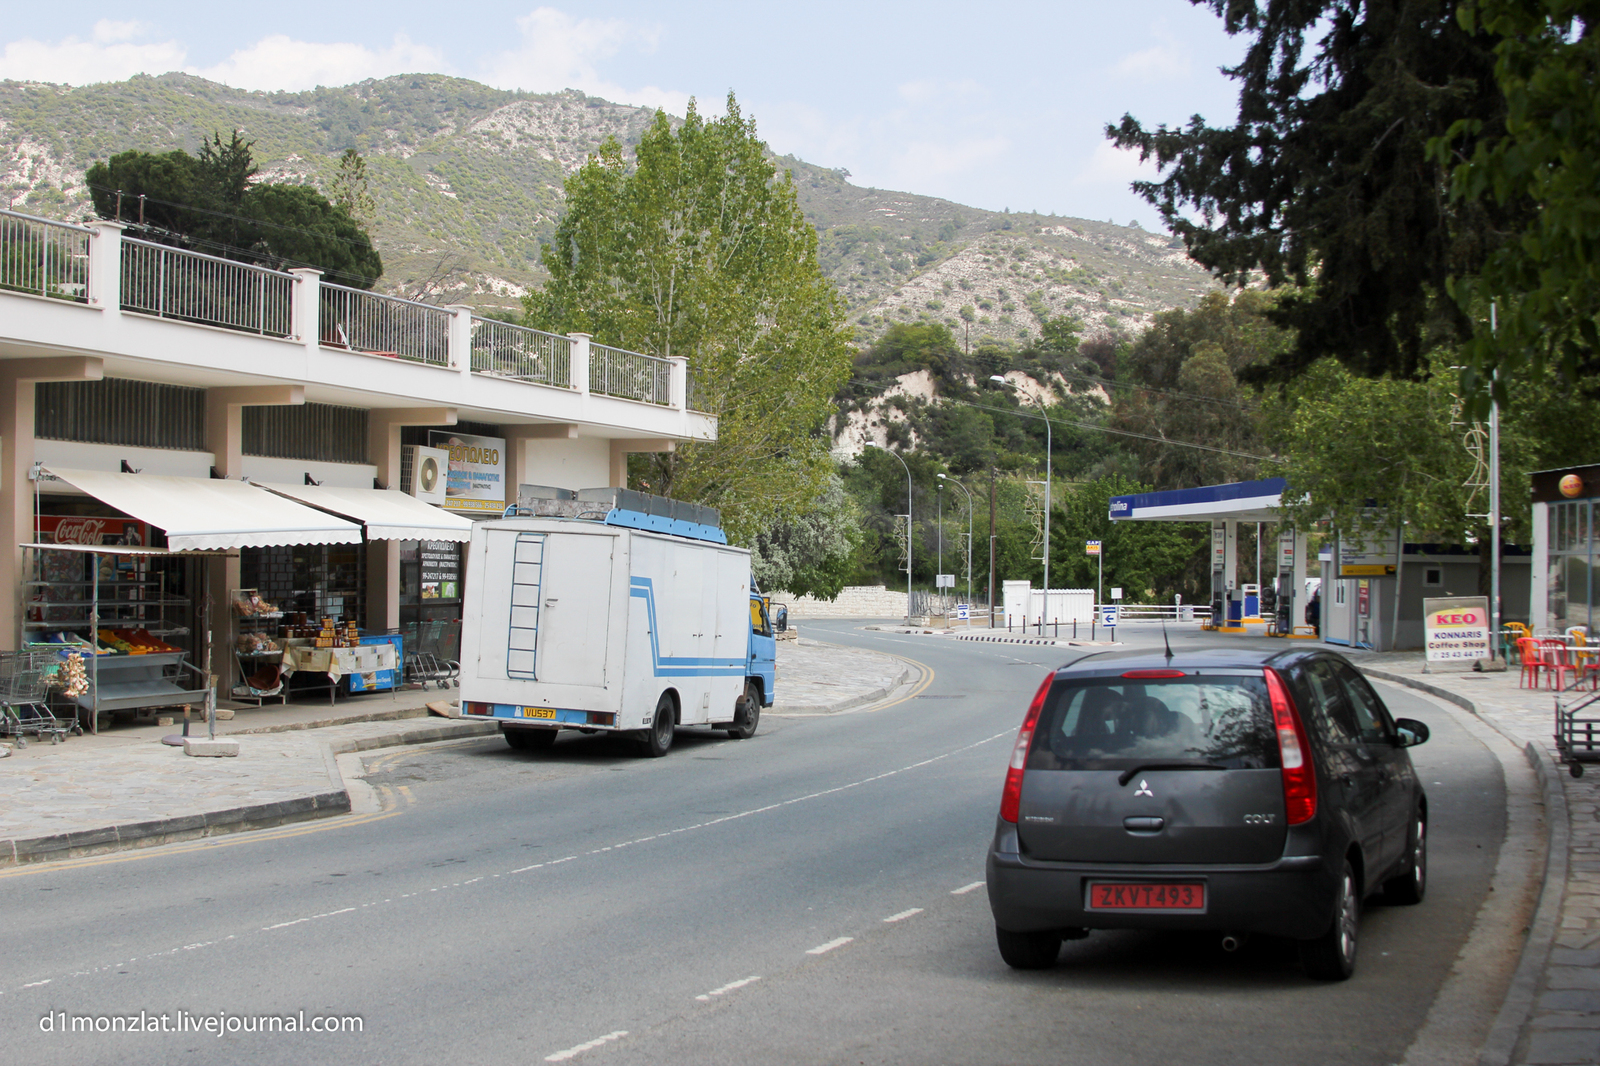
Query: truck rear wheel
x,y
658,738
530,739
749,716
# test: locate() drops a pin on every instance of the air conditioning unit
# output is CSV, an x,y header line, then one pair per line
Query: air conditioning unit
x,y
423,471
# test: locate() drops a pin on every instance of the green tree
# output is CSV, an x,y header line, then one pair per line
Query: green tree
x,y
812,553
350,189
701,250
1546,281
1324,182
1146,559
1060,334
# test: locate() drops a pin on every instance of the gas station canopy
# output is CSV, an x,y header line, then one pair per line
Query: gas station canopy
x,y
1241,501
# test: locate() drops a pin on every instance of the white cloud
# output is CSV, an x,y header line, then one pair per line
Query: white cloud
x,y
1113,166
112,53
919,159
280,62
926,90
557,51
1165,61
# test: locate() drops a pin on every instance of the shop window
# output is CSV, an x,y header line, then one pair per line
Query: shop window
x,y
317,580
430,597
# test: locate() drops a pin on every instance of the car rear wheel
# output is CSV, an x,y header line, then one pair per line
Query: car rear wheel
x,y
1028,951
1332,956
1411,885
658,738
531,739
744,726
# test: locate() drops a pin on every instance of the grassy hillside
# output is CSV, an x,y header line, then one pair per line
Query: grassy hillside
x,y
467,180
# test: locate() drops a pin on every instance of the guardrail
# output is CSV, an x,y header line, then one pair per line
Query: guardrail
x,y
629,375
508,350
40,256
194,287
384,325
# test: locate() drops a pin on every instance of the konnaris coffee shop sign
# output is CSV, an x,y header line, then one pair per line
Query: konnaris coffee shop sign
x,y
1456,628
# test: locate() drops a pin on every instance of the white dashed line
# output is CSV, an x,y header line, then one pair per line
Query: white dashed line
x,y
964,889
725,989
573,1052
823,949
903,915
46,981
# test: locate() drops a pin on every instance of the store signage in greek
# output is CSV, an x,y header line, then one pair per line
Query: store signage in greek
x,y
476,479
1456,628
1372,555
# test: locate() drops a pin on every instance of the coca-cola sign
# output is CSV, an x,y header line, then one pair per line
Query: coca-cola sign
x,y
75,529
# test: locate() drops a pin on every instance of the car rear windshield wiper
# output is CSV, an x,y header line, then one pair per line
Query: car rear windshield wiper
x,y
1169,764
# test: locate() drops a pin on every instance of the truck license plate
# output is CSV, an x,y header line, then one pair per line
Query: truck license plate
x,y
538,712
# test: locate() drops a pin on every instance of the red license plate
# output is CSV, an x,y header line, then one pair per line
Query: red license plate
x,y
1147,897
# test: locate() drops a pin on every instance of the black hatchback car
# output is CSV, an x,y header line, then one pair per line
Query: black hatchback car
x,y
1233,791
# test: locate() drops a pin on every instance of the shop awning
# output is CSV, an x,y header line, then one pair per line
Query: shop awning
x,y
388,514
201,513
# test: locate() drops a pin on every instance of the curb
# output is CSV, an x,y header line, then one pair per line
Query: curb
x,y
86,842
399,714
1517,1008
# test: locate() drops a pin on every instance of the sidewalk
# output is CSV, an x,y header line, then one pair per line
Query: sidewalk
x,y
1552,1012
124,788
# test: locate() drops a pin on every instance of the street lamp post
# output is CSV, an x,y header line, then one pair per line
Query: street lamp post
x,y
968,495
902,462
1049,445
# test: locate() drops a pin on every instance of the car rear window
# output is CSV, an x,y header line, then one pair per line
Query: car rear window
x,y
1115,723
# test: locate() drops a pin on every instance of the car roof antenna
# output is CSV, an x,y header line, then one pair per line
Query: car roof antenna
x,y
1165,641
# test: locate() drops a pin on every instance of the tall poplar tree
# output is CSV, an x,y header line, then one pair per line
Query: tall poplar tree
x,y
699,249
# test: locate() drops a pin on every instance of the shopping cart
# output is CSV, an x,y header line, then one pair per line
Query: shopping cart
x,y
24,697
428,660
1578,731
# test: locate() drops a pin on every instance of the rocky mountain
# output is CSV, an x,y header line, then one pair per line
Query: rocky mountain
x,y
467,181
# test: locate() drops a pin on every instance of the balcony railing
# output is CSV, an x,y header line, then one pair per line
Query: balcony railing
x,y
194,287
513,351
44,257
384,325
695,400
629,375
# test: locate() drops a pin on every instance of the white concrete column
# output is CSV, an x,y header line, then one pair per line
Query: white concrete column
x,y
620,449
17,380
105,266
679,388
458,341
580,362
305,312
519,441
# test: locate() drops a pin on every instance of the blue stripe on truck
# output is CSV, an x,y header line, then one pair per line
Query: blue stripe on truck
x,y
679,665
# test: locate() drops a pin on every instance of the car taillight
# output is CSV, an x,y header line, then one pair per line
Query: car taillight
x,y
1011,798
1299,776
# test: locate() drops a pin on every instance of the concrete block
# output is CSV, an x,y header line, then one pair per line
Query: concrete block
x,y
211,749
224,714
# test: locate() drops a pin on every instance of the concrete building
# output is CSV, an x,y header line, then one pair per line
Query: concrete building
x,y
122,360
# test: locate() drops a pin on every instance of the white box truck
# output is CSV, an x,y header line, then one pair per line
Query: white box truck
x,y
609,610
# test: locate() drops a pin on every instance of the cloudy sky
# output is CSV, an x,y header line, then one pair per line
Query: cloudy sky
x,y
994,105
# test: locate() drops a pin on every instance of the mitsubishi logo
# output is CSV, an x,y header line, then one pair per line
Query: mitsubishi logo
x,y
1144,789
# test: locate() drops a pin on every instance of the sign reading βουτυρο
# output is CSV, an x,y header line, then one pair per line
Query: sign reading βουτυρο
x,y
1456,628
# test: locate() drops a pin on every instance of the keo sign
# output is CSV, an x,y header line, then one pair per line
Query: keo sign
x,y
1456,628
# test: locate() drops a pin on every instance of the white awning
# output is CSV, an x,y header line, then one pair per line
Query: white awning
x,y
388,514
201,513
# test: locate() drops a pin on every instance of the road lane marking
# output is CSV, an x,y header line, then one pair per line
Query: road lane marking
x,y
725,989
964,889
823,949
297,921
903,915
590,1045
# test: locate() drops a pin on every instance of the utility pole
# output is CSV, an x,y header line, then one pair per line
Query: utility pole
x,y
991,546
884,448
1494,498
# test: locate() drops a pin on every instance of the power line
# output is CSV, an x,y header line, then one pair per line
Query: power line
x,y
321,234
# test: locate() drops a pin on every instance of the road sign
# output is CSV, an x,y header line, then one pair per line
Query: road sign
x,y
1091,547
945,581
1108,616
963,612
1116,594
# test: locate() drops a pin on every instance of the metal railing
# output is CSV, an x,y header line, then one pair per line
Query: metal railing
x,y
384,325
40,256
629,375
694,401
195,287
513,351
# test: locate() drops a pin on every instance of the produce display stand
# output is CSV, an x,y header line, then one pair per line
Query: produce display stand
x,y
131,682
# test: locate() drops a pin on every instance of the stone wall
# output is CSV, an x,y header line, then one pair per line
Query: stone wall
x,y
855,601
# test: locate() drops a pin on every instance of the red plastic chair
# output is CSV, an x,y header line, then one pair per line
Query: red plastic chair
x,y
1557,662
1532,662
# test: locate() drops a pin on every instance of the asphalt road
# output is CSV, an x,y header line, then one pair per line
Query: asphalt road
x,y
812,895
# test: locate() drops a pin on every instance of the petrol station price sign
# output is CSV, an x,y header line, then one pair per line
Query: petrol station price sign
x,y
1456,628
